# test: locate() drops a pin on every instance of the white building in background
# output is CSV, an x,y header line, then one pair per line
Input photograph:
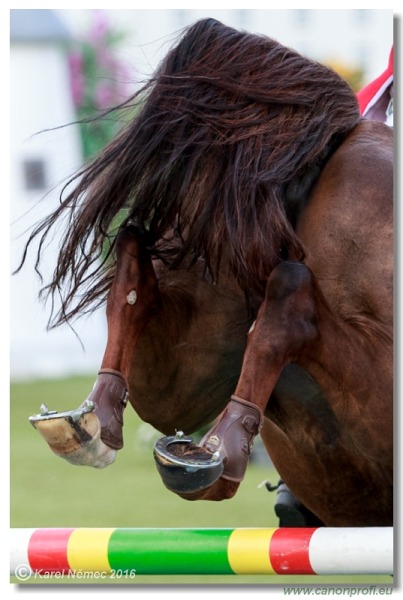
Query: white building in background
x,y
41,99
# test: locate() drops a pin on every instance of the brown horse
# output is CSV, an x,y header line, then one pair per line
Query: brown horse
x,y
250,279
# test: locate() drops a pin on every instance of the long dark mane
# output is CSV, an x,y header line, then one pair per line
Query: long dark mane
x,y
228,119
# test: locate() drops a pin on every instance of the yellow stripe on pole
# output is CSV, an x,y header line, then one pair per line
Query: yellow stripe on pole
x,y
87,550
248,551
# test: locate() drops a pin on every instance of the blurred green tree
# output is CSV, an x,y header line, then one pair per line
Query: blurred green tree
x,y
99,82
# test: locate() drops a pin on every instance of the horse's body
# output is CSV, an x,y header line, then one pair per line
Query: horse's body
x,y
317,360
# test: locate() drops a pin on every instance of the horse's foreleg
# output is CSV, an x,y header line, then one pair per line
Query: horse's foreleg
x,y
285,325
133,297
94,437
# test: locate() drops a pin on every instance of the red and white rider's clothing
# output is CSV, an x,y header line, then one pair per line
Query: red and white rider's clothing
x,y
376,98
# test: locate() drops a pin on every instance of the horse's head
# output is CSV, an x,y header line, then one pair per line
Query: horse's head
x,y
226,122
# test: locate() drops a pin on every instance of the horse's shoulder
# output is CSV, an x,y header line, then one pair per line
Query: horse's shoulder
x,y
347,225
358,177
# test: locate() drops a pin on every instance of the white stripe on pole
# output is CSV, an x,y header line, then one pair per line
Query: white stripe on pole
x,y
19,563
352,550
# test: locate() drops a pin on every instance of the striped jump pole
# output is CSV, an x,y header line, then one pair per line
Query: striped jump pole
x,y
275,551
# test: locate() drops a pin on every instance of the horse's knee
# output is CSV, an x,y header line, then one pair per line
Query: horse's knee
x,y
133,262
287,280
287,319
130,237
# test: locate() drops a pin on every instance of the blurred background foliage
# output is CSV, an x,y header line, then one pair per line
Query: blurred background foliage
x,y
352,74
99,81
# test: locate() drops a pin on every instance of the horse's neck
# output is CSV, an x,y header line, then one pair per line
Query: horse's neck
x,y
298,189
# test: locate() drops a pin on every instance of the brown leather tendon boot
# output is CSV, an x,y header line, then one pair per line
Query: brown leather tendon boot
x,y
110,396
233,436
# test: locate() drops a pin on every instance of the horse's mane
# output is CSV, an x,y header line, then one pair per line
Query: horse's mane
x,y
227,120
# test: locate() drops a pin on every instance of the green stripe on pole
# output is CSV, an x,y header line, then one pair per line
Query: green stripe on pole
x,y
170,551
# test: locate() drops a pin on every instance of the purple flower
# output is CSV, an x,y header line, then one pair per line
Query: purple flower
x,y
99,81
77,76
99,27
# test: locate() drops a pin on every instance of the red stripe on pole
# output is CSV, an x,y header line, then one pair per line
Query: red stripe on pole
x,y
47,550
289,551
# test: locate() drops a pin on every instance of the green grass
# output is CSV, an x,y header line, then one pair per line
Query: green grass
x,y
46,491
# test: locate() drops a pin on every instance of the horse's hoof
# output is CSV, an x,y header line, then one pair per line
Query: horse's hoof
x,y
74,435
186,468
287,508
191,471
291,512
